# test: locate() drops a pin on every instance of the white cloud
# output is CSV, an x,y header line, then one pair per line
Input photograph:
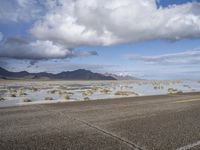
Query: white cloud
x,y
95,22
19,10
18,48
186,57
1,36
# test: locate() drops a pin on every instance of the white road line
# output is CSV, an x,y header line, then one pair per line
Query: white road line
x,y
189,146
186,101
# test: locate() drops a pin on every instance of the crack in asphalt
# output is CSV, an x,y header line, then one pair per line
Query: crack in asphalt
x,y
116,137
127,142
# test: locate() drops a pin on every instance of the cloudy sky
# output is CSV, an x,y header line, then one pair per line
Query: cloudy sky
x,y
150,39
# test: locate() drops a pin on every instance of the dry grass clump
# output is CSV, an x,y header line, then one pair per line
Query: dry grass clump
x,y
158,87
87,93
86,98
27,100
34,89
48,98
52,92
125,93
61,87
12,90
94,88
2,99
22,93
13,94
66,97
59,92
105,91
174,91
67,93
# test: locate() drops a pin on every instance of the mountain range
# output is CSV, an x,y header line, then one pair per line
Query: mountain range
x,y
80,74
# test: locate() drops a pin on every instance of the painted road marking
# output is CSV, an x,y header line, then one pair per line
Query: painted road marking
x,y
189,146
188,100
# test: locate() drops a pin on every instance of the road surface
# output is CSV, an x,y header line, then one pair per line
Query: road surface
x,y
167,122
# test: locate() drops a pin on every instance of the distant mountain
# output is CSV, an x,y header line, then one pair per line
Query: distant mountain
x,y
121,77
80,74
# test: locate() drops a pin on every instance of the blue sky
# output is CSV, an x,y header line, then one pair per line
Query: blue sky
x,y
147,39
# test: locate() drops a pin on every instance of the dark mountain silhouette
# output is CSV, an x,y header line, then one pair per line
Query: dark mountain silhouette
x,y
80,74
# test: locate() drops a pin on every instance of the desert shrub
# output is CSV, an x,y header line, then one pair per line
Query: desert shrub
x,y
62,87
22,93
13,91
86,98
70,93
13,95
125,93
121,93
66,97
60,92
52,92
27,100
67,93
105,91
94,88
174,91
87,93
48,98
34,89
2,99
158,86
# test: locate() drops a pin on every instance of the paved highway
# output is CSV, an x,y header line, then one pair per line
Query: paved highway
x,y
168,122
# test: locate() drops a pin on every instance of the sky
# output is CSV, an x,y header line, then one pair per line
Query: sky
x,y
147,39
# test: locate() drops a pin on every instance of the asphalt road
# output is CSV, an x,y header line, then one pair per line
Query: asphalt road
x,y
167,122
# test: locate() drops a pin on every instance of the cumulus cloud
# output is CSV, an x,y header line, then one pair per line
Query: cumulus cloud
x,y
60,26
19,10
19,48
1,36
186,57
95,22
